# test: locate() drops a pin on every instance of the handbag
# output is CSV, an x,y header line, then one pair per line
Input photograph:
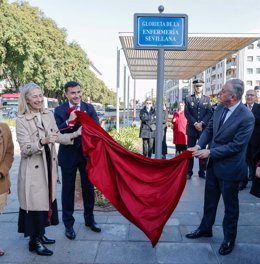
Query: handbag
x,y
153,127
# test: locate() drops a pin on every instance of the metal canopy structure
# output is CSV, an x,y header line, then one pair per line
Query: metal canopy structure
x,y
204,51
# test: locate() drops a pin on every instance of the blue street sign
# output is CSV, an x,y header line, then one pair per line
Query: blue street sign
x,y
167,31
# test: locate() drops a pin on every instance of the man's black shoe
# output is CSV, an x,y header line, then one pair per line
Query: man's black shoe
x,y
93,226
46,240
199,233
70,233
226,247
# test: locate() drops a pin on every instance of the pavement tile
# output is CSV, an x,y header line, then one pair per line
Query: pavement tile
x,y
126,252
185,253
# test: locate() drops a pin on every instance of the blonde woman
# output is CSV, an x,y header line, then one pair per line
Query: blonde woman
x,y
36,132
6,160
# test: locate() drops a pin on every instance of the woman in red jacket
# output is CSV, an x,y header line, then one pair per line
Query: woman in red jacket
x,y
179,122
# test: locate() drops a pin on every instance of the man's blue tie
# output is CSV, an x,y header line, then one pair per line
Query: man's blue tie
x,y
224,114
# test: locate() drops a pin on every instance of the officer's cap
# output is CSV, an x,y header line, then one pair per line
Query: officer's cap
x,y
198,82
257,88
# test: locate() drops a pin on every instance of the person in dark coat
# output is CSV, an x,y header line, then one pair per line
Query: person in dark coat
x,y
71,159
164,127
164,132
254,142
255,188
229,131
198,111
148,127
257,90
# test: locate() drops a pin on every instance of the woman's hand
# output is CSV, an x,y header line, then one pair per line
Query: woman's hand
x,y
51,138
77,133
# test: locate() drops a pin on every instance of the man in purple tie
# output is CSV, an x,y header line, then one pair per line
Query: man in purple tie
x,y
226,162
70,160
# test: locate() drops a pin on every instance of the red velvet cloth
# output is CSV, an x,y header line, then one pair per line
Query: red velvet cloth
x,y
144,190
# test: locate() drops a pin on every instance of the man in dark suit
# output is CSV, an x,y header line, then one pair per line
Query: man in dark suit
x,y
257,91
71,159
254,142
229,131
198,112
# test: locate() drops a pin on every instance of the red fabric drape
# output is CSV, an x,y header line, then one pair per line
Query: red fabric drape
x,y
144,190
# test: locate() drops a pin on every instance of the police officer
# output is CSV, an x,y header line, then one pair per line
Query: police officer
x,y
198,112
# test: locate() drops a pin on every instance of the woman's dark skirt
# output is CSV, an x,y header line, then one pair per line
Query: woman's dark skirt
x,y
33,223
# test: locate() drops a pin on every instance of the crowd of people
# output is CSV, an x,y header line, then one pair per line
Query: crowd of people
x,y
224,138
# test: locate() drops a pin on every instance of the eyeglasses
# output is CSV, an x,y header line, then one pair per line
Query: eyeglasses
x,y
148,103
250,95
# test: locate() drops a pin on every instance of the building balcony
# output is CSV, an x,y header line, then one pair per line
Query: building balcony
x,y
231,65
230,76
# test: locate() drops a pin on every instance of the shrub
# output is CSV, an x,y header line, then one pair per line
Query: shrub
x,y
128,137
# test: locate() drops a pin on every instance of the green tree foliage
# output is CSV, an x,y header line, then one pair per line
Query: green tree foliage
x,y
33,48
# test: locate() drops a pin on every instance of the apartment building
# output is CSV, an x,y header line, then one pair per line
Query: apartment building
x,y
244,65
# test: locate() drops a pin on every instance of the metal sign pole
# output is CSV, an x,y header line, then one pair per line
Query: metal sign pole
x,y
124,113
159,104
128,99
160,32
117,90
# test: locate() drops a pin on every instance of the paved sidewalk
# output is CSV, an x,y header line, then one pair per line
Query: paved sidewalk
x,y
120,242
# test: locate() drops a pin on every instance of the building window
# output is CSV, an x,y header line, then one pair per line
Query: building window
x,y
249,83
257,58
257,70
258,45
250,58
257,82
251,46
249,70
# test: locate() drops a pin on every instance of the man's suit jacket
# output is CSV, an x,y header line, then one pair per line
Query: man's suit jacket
x,y
69,156
229,142
197,111
255,138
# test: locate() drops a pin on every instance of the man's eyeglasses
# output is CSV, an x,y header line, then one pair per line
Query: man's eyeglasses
x,y
148,103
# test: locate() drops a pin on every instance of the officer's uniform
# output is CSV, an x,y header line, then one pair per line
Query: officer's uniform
x,y
196,110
